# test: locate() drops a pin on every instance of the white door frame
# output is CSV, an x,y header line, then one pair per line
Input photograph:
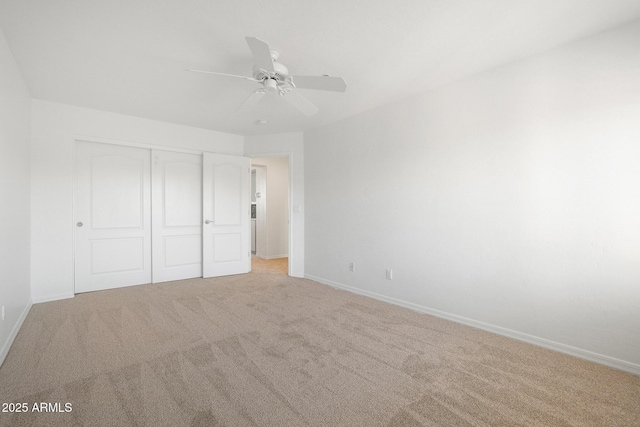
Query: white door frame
x,y
288,155
261,210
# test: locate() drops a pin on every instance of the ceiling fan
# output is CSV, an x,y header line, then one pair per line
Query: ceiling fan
x,y
274,78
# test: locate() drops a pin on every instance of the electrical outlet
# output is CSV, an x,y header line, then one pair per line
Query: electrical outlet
x,y
352,266
389,274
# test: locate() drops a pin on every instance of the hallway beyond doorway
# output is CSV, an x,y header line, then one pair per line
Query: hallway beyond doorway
x,y
270,266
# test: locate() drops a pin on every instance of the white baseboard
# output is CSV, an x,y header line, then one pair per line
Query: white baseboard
x,y
14,332
52,298
277,256
271,257
602,359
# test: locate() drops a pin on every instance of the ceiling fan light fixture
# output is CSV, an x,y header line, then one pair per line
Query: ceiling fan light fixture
x,y
270,85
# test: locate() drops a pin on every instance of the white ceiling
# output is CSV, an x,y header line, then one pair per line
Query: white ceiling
x,y
129,56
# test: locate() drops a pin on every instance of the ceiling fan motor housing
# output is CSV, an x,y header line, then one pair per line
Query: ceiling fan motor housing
x,y
280,74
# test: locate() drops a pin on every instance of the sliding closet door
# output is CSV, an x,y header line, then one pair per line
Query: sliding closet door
x,y
176,200
226,231
199,226
112,216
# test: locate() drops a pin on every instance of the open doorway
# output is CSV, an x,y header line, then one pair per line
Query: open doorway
x,y
270,195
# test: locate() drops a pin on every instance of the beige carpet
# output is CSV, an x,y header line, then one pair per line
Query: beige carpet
x,y
265,349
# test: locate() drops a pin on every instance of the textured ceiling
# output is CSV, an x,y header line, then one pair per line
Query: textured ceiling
x,y
130,56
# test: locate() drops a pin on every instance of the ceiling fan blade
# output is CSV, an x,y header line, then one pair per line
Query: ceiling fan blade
x,y
252,100
336,84
223,74
300,102
261,53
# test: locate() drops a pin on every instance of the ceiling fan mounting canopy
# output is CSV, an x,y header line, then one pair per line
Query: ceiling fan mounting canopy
x,y
274,77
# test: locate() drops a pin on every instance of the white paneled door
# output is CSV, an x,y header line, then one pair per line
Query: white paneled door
x,y
226,231
145,215
176,200
112,216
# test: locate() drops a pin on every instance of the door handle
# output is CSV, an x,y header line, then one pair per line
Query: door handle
x,y
79,224
206,221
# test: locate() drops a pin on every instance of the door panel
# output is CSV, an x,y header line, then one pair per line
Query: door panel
x,y
112,216
183,250
226,230
117,191
177,215
227,187
227,247
117,255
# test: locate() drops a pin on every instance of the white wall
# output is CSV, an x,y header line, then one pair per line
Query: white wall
x,y
291,145
276,243
14,197
510,200
54,129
